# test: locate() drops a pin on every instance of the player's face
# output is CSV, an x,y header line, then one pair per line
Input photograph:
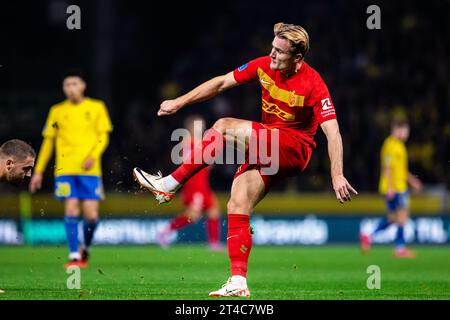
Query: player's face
x,y
74,88
17,170
281,57
404,133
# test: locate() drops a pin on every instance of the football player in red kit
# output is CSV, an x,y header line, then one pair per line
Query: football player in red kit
x,y
197,196
295,101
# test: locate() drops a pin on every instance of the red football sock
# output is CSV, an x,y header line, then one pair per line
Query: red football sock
x,y
239,243
202,155
179,222
213,230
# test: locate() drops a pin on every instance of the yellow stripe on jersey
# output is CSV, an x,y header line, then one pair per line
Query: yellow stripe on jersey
x,y
79,131
288,97
394,156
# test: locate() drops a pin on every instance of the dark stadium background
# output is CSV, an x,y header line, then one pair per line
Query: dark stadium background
x,y
137,53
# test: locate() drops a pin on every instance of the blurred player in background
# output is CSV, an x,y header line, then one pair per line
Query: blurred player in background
x,y
197,196
394,180
16,161
79,127
295,101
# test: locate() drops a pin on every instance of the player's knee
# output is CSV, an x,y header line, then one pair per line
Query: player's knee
x,y
402,217
222,124
236,206
90,215
90,209
72,210
194,215
213,214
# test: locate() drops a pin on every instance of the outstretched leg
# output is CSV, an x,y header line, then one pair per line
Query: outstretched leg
x,y
203,154
224,129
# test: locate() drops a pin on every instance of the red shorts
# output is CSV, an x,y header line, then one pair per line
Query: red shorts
x,y
294,155
198,200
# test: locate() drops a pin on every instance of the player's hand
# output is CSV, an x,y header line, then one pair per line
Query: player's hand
x,y
35,183
416,185
88,163
342,189
390,194
169,107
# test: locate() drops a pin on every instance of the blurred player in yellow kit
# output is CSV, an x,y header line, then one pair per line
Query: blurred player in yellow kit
x,y
79,127
394,180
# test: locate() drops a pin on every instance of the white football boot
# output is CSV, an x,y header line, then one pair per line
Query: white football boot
x,y
231,289
153,184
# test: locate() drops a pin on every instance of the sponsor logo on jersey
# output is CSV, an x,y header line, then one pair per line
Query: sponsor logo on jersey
x,y
242,67
326,104
276,110
266,82
327,108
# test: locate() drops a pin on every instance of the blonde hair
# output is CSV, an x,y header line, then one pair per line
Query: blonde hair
x,y
297,36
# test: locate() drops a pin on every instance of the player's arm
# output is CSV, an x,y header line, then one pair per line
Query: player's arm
x,y
414,182
335,151
98,149
44,156
103,127
203,92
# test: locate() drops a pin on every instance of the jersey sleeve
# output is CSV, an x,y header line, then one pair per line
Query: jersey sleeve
x,y
51,125
248,72
104,121
321,101
386,155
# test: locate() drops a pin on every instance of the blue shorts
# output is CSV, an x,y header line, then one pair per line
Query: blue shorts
x,y
79,187
399,201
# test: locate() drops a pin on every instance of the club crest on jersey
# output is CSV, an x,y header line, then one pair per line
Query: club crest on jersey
x,y
292,99
242,67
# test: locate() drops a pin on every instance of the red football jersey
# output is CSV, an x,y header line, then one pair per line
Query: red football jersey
x,y
298,103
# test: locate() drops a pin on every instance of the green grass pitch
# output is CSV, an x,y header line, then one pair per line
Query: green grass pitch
x,y
190,272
